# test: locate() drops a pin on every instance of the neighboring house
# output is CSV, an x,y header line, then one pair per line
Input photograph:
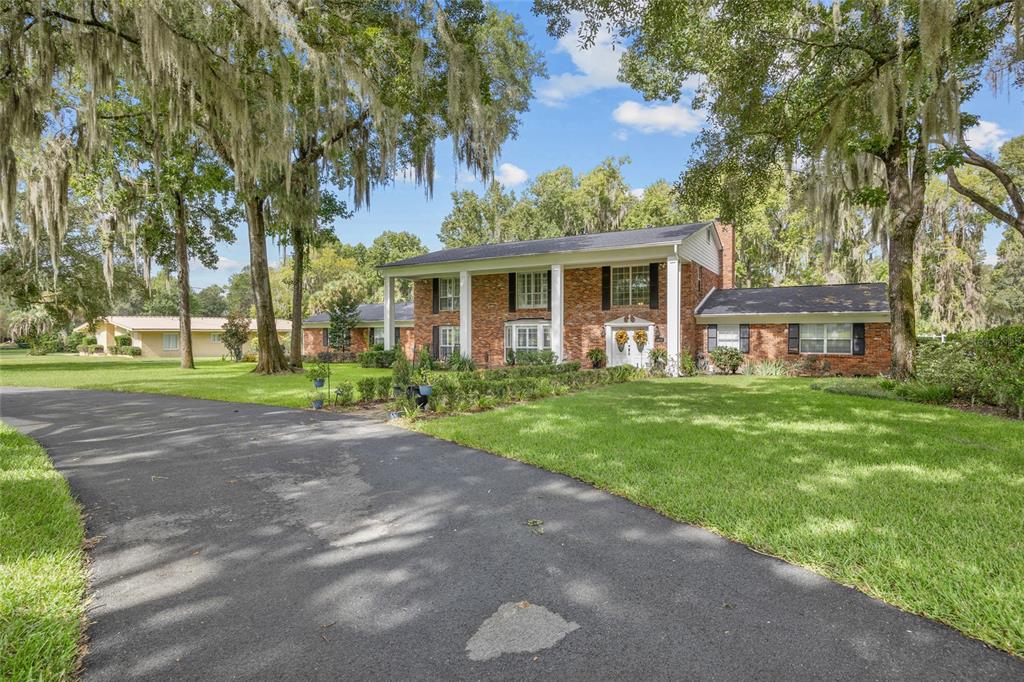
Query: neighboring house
x,y
571,294
158,335
369,331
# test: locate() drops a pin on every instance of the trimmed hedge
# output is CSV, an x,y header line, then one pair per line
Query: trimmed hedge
x,y
461,391
376,358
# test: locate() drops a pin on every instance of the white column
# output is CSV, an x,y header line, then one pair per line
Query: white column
x,y
389,313
466,314
557,314
673,303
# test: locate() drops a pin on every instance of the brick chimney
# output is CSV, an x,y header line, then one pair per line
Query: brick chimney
x,y
728,265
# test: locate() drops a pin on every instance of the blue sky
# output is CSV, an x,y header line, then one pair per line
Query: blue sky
x,y
580,115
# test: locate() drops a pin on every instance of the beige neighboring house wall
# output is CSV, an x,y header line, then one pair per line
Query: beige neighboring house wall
x,y
148,332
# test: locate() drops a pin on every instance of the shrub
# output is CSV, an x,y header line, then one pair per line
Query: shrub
x,y
367,388
983,366
376,358
533,357
345,393
726,359
460,363
658,358
425,361
922,392
234,335
133,351
767,368
331,356
123,340
382,391
687,365
402,370
597,357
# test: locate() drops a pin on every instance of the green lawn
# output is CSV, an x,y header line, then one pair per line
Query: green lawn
x,y
42,569
212,379
920,506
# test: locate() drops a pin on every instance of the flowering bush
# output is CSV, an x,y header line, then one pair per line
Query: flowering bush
x,y
726,359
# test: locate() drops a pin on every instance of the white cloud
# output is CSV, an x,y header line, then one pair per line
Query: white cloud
x,y
987,136
225,263
674,119
597,67
511,175
638,192
621,135
466,175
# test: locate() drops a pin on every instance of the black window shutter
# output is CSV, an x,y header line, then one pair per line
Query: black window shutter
x,y
398,337
653,288
712,337
606,287
435,341
794,339
326,342
548,275
744,338
858,338
436,303
511,292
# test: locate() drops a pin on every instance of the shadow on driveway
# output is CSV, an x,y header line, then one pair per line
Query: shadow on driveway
x,y
245,541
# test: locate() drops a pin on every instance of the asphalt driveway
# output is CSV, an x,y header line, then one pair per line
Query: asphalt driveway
x,y
251,542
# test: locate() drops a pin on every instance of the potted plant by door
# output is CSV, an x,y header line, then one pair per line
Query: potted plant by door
x,y
621,339
596,356
318,373
316,399
640,339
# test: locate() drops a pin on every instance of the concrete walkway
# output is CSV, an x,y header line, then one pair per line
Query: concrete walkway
x,y
250,542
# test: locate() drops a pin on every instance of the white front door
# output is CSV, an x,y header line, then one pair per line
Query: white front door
x,y
629,354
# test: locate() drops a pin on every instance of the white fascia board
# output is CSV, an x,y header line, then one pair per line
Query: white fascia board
x,y
644,253
784,318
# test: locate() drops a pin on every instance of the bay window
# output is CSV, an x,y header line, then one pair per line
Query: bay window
x,y
631,285
532,335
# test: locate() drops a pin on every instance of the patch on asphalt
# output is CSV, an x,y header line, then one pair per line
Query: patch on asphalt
x,y
515,628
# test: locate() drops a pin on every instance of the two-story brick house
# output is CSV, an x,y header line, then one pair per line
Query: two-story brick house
x,y
674,284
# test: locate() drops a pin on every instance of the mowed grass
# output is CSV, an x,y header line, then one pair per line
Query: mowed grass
x,y
42,567
212,378
920,506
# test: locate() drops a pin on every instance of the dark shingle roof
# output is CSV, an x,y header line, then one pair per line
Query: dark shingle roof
x,y
846,298
368,312
601,240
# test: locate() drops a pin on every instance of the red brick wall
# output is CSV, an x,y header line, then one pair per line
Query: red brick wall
x,y
584,320
312,340
771,342
727,236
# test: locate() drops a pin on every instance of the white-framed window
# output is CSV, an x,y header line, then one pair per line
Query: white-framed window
x,y
448,293
631,285
529,335
826,338
171,341
531,290
376,336
729,335
215,338
448,342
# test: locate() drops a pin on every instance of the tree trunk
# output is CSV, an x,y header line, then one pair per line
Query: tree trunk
x,y
271,356
906,209
298,263
184,289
